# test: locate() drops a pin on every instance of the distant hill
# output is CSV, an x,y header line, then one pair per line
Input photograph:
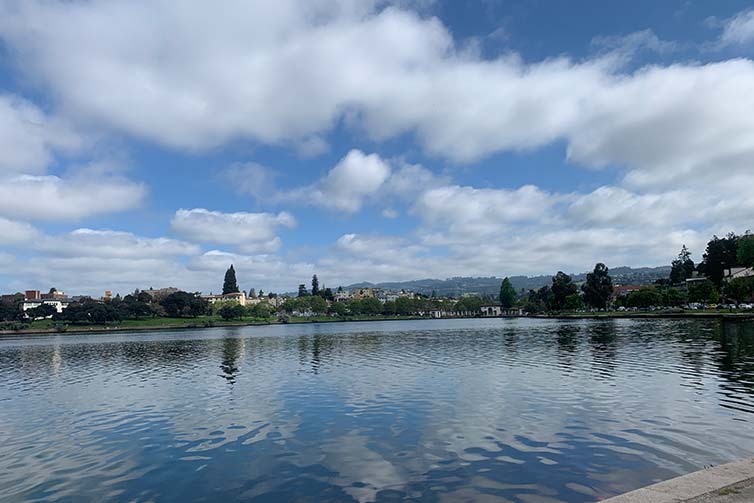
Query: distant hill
x,y
455,287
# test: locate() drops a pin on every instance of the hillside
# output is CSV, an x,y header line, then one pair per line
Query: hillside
x,y
455,287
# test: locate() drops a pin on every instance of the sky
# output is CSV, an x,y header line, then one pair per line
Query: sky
x,y
153,143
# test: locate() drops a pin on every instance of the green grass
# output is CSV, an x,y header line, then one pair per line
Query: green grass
x,y
199,321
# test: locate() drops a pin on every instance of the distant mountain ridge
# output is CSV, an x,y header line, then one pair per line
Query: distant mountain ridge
x,y
455,287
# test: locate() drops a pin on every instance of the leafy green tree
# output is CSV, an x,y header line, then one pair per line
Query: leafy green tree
x,y
703,291
230,285
315,285
180,304
9,312
740,289
302,292
644,298
539,301
674,297
598,287
682,267
339,309
87,312
469,303
253,294
388,308
403,306
721,254
231,310
260,310
745,252
327,294
561,288
507,294
573,302
317,304
368,306
41,311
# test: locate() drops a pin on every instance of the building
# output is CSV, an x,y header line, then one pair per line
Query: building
x,y
492,310
54,295
342,296
32,295
161,293
695,280
364,293
276,301
58,304
620,291
239,297
738,272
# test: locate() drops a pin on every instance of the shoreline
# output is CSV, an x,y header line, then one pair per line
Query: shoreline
x,y
94,329
723,483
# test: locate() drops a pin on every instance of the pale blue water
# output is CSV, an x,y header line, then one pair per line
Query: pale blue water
x,y
459,410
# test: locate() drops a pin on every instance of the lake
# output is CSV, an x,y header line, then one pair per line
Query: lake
x,y
509,410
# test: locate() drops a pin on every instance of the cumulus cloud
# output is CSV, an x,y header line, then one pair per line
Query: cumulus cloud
x,y
738,30
29,137
12,232
354,178
113,244
345,187
70,198
291,71
253,232
477,212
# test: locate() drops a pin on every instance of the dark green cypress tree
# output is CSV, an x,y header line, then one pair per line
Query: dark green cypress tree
x,y
230,285
315,285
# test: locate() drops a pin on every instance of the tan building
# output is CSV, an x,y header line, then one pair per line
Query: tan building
x,y
364,293
32,295
239,297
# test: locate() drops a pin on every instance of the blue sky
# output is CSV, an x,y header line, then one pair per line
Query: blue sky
x,y
154,143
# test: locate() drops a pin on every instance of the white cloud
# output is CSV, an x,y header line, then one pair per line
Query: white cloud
x,y
12,232
29,137
291,71
382,248
477,212
626,46
355,177
253,232
113,244
70,198
739,29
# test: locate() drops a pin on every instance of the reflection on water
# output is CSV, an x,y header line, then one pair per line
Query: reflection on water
x,y
457,410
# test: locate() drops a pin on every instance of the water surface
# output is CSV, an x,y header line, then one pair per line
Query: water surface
x,y
457,410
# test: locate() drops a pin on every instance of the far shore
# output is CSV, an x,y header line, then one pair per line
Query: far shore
x,y
201,322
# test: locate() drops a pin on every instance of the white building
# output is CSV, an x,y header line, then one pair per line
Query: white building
x,y
492,310
58,304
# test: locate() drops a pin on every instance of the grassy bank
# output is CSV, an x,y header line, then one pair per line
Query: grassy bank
x,y
50,326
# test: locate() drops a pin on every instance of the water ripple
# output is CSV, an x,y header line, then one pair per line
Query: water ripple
x,y
458,410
